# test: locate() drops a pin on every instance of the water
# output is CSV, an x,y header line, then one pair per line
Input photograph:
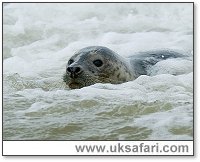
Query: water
x,y
40,38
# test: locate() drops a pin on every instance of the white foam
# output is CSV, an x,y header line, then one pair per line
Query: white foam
x,y
40,38
172,66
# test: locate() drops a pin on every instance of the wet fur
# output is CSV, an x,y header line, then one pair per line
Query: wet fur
x,y
142,61
116,69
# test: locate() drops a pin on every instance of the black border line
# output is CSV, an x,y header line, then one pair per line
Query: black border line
x,y
96,2
193,78
110,140
2,73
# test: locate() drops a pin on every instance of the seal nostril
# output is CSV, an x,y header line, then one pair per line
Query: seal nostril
x,y
69,69
77,69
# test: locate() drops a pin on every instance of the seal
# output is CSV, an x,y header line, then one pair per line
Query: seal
x,y
98,64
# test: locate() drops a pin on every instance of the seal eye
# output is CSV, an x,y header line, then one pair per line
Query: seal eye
x,y
98,63
70,62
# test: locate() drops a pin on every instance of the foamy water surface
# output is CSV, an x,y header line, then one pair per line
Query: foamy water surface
x,y
38,40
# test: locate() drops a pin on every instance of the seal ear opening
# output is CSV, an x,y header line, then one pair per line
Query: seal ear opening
x,y
98,63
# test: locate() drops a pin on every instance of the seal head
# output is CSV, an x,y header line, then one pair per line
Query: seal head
x,y
96,64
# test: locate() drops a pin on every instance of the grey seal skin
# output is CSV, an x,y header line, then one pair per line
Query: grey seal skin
x,y
98,64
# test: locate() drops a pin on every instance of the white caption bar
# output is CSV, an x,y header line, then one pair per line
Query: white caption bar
x,y
97,147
